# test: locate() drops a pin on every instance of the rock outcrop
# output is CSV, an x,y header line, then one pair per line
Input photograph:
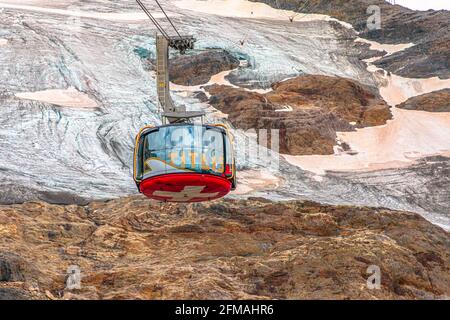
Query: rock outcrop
x,y
424,60
428,30
192,70
437,101
229,249
308,110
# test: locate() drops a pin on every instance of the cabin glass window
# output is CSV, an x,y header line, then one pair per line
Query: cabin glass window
x,y
178,149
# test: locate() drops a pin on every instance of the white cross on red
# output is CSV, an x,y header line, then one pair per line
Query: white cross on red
x,y
187,194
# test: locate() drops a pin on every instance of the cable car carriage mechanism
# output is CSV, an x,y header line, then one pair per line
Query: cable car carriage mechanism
x,y
181,161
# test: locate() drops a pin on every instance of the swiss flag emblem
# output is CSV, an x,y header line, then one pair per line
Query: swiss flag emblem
x,y
187,194
185,187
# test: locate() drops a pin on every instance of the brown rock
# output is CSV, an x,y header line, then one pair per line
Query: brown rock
x,y
11,266
49,295
436,101
346,98
229,249
192,70
321,106
14,294
73,251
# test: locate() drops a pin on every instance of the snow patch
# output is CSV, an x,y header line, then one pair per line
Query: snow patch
x,y
285,108
398,89
219,79
42,3
250,10
389,48
131,16
65,98
409,136
255,180
3,42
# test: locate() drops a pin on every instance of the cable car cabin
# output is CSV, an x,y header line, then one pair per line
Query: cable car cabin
x,y
184,162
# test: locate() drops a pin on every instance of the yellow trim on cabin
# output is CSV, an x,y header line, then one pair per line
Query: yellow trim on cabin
x,y
231,137
136,145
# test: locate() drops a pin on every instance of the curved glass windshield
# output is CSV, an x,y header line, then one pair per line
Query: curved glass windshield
x,y
184,148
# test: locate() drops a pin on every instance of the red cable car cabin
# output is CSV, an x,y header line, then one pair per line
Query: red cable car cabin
x,y
184,162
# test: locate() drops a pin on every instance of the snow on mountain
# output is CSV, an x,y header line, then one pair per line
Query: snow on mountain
x,y
74,92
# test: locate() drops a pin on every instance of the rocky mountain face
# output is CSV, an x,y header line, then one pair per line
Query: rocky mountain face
x,y
428,30
236,248
308,110
436,101
133,248
426,59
